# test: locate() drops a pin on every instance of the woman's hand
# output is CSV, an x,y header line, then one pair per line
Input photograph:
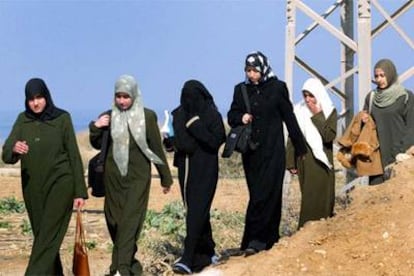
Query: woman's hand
x,y
21,147
78,203
364,116
247,118
103,121
293,171
314,107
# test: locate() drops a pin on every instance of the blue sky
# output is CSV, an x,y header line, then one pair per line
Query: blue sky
x,y
81,47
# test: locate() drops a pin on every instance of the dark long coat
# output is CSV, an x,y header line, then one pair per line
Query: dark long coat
x,y
126,198
317,181
395,126
52,176
265,167
196,156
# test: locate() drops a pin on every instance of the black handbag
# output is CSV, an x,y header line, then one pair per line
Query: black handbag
x,y
96,168
238,138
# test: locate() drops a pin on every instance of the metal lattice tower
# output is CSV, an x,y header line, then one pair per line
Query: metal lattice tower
x,y
355,52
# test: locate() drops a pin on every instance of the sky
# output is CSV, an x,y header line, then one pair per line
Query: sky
x,y
80,47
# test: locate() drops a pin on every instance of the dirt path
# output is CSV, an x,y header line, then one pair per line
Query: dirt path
x,y
373,236
15,247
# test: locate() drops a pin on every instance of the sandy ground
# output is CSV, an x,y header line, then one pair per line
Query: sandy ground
x,y
373,236
15,247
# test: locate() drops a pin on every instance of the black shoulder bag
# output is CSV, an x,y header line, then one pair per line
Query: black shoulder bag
x,y
96,168
238,138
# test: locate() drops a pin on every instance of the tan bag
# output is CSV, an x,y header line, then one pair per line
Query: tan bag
x,y
80,254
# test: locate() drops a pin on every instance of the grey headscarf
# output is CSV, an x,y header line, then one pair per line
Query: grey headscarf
x,y
132,119
394,90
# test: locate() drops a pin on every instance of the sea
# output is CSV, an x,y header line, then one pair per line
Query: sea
x,y
80,120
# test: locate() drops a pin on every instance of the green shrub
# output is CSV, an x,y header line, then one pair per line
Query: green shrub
x,y
5,224
11,205
169,222
25,227
91,244
163,235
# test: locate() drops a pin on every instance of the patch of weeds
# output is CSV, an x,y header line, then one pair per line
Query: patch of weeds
x,y
11,205
169,222
163,235
109,247
26,227
5,224
227,228
91,244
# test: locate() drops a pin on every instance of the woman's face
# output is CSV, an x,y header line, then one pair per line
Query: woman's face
x,y
310,99
123,101
380,78
37,104
253,75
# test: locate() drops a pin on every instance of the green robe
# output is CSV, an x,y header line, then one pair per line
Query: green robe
x,y
52,176
317,181
126,198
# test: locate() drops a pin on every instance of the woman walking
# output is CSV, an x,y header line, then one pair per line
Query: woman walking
x,y
317,119
134,144
44,141
264,163
198,134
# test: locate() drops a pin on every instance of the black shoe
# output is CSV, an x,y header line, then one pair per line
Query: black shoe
x,y
181,268
232,252
250,251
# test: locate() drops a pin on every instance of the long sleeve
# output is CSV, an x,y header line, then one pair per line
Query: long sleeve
x,y
326,127
183,141
96,134
155,144
212,135
408,138
295,134
290,155
237,108
75,159
8,156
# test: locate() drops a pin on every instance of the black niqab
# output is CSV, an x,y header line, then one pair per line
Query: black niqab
x,y
195,97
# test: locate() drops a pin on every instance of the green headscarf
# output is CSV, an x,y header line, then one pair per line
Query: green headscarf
x,y
132,119
394,90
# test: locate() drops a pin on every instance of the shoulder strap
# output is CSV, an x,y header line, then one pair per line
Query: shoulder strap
x,y
371,95
104,146
245,97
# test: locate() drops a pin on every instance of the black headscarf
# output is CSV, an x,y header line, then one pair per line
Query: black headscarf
x,y
35,87
195,97
260,62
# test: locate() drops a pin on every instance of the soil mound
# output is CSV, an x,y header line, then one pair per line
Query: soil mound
x,y
373,236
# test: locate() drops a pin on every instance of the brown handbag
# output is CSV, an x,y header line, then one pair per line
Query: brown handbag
x,y
80,254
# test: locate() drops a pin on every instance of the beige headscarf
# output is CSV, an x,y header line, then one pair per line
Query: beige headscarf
x,y
133,120
304,115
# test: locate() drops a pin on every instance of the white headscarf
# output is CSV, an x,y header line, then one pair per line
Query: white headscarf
x,y
133,120
304,115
